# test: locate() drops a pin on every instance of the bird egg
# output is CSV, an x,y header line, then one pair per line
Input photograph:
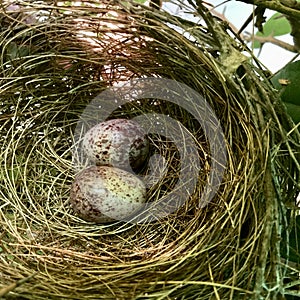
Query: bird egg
x,y
104,194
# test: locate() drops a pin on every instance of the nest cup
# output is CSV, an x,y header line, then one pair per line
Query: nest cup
x,y
56,58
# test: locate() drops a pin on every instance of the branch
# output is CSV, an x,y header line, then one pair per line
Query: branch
x,y
287,7
272,40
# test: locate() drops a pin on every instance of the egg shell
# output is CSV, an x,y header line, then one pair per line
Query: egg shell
x,y
104,194
120,143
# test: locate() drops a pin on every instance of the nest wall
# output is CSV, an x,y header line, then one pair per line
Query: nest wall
x,y
54,61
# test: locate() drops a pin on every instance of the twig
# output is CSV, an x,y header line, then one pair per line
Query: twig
x,y
223,18
5,290
251,38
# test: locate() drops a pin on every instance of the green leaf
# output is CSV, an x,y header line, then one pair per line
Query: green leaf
x,y
140,1
287,81
294,111
277,25
16,51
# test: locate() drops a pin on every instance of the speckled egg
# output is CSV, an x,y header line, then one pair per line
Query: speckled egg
x,y
120,143
104,194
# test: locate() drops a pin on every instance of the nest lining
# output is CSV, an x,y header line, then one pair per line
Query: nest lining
x,y
226,250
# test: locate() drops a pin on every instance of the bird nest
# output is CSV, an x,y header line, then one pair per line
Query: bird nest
x,y
55,59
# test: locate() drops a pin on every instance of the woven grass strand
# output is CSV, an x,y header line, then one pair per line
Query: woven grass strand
x,y
50,70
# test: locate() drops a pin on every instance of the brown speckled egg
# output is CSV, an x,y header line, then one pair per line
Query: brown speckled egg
x,y
120,143
104,194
